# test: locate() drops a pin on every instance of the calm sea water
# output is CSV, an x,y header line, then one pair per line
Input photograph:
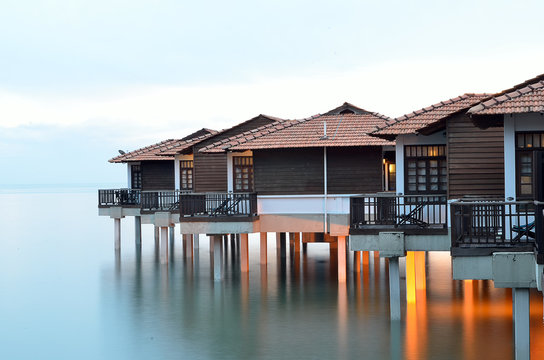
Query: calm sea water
x,y
64,294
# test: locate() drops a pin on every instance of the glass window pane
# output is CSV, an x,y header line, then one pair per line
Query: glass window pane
x,y
528,140
521,141
526,189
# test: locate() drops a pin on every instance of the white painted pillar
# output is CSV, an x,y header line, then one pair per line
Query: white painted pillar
x,y
164,245
117,233
520,312
196,241
217,257
138,230
394,288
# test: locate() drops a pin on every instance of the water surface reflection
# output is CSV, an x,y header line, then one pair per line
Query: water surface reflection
x,y
293,307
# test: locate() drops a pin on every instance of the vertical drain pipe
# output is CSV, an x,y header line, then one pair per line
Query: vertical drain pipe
x,y
325,229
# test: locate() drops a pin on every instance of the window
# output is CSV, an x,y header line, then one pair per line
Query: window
x,y
186,174
243,173
425,169
136,177
526,145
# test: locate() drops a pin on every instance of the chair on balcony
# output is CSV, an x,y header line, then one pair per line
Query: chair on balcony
x,y
227,207
415,216
524,230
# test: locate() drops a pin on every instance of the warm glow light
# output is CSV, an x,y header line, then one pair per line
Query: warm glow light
x,y
421,282
392,168
410,278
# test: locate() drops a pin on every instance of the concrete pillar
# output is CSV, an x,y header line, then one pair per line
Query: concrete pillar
x,y
212,242
410,277
196,241
520,312
172,231
138,230
217,257
264,250
164,245
341,259
117,233
283,245
366,257
278,240
394,288
188,245
157,236
244,253
357,261
421,282
304,248
297,242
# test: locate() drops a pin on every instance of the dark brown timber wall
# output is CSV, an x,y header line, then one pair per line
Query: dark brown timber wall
x,y
475,159
354,170
210,170
158,175
300,171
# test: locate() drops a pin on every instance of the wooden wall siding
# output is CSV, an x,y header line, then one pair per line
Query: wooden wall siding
x,y
288,171
158,175
300,171
210,172
354,170
475,159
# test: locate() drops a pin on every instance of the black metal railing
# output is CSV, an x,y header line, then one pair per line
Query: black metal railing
x,y
485,223
383,211
219,204
166,200
119,197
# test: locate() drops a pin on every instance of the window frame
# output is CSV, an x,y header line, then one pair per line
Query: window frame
x,y
423,155
519,152
243,162
186,166
136,176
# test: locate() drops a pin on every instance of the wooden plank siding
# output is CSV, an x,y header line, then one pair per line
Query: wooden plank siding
x,y
158,175
300,171
210,170
475,159
354,170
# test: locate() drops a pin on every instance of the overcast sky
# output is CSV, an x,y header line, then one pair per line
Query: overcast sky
x,y
82,79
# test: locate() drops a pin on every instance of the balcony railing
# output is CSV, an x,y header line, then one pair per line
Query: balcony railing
x,y
119,197
168,200
496,225
413,214
218,204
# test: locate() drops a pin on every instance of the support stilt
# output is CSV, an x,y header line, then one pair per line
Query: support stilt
x,y
164,245
394,288
196,241
283,244
520,312
117,233
410,277
297,242
357,261
341,259
172,231
244,253
157,236
264,250
421,282
217,257
138,230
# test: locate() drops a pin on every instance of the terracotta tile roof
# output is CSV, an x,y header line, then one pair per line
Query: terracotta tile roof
x,y
522,98
146,153
342,130
180,146
159,150
420,119
183,146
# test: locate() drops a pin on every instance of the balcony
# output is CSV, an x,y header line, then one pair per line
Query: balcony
x,y
162,201
211,206
481,227
411,214
119,197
